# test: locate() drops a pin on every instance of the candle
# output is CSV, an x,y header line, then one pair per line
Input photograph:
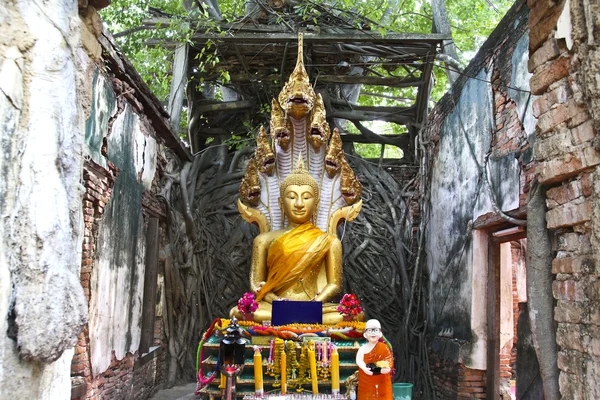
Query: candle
x,y
313,368
223,382
325,346
283,366
335,371
271,351
258,372
319,351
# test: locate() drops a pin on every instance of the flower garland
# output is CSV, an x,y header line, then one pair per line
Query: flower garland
x,y
345,330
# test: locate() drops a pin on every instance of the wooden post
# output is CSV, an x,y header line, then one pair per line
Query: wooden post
x,y
493,318
150,284
177,94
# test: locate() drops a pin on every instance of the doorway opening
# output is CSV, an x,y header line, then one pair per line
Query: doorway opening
x,y
513,371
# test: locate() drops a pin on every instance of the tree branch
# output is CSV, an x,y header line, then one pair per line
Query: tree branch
x,y
450,61
402,141
129,31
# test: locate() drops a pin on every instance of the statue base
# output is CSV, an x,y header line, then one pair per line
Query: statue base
x,y
347,336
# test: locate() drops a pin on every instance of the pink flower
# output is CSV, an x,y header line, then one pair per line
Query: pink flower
x,y
247,303
349,305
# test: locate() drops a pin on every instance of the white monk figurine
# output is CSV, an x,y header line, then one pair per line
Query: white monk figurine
x,y
375,361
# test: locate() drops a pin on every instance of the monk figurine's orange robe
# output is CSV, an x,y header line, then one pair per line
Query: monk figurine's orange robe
x,y
376,387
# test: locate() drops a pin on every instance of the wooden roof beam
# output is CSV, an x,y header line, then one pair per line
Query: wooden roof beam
x,y
222,106
309,37
371,116
370,80
330,79
252,30
280,37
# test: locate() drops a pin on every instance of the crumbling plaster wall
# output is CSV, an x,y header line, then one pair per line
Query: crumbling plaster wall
x,y
469,141
483,131
124,159
44,96
117,278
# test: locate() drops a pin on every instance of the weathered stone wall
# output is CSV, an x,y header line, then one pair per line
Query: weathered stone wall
x,y
84,144
565,65
483,131
44,96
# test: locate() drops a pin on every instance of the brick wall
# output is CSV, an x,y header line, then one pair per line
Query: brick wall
x,y
567,150
455,381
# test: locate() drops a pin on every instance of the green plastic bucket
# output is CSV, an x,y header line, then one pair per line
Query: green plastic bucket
x,y
402,391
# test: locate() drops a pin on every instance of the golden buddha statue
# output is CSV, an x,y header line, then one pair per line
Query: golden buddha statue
x,y
300,262
297,255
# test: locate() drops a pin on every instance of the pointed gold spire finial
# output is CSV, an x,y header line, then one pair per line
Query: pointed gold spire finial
x,y
297,96
300,168
299,69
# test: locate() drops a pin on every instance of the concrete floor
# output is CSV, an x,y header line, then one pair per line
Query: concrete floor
x,y
181,392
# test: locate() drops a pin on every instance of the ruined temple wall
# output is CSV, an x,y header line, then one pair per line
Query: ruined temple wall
x,y
121,177
84,147
565,64
485,122
554,138
44,100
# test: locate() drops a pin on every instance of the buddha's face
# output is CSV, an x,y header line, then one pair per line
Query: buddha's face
x,y
298,203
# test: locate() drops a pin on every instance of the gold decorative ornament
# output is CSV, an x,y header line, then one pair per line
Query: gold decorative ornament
x,y
253,216
281,127
250,186
319,132
297,96
265,158
350,186
332,159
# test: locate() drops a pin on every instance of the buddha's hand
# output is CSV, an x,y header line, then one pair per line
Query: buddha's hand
x,y
271,297
386,370
367,370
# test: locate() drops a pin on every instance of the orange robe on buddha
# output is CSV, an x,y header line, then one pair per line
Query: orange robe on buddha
x,y
376,387
294,255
